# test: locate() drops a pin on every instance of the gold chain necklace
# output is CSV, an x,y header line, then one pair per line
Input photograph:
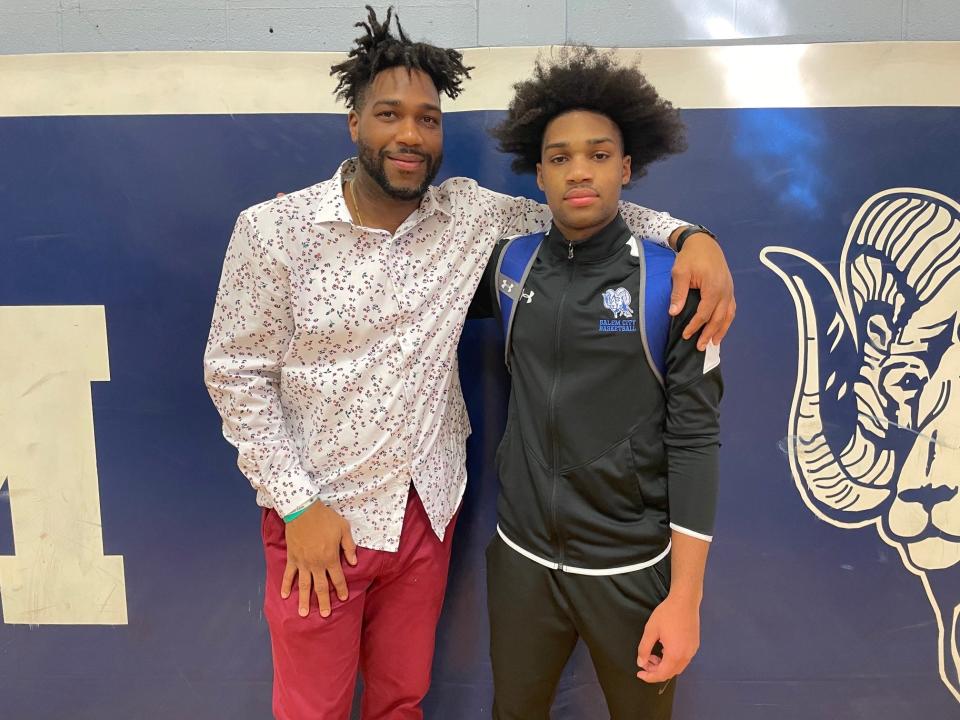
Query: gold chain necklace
x,y
356,205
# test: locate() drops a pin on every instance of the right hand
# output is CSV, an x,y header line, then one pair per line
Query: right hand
x,y
314,540
675,624
701,264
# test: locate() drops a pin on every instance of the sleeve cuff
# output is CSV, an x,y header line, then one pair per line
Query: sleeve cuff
x,y
691,533
670,230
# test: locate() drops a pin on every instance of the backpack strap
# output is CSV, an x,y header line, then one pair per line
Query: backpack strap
x,y
513,266
656,266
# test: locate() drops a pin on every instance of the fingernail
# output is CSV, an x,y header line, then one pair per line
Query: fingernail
x,y
673,308
284,595
324,613
303,612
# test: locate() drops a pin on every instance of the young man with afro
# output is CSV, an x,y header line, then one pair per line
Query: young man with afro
x,y
332,360
608,466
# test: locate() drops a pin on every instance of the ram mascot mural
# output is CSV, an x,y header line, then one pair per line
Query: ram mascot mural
x,y
874,428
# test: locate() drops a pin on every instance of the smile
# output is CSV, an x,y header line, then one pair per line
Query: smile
x,y
406,163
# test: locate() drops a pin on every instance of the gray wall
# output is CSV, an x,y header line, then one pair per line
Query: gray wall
x,y
28,26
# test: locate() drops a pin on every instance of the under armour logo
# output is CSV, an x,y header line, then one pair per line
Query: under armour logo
x,y
506,286
527,296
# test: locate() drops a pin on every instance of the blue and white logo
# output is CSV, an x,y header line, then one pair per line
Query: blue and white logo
x,y
618,301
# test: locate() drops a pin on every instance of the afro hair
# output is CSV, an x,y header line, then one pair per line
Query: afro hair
x,y
584,78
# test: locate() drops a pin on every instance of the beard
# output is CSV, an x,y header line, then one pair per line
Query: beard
x,y
375,166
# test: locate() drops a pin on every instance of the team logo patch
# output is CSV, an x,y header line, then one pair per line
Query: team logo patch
x,y
617,301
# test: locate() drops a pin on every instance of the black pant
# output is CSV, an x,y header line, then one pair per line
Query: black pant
x,y
537,615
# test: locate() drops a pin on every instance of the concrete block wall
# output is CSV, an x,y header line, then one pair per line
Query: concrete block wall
x,y
36,26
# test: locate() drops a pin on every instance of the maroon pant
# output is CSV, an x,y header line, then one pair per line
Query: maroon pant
x,y
386,629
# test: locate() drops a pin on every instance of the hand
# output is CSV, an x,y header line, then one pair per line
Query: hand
x,y
676,624
701,264
314,540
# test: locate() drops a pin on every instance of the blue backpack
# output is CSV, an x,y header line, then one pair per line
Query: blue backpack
x,y
517,258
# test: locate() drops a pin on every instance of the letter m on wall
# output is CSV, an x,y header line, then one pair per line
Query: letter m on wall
x,y
58,574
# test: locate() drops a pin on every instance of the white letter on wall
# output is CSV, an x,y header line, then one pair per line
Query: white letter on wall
x,y
59,574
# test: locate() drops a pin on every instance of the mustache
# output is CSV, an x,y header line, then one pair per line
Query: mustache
x,y
407,151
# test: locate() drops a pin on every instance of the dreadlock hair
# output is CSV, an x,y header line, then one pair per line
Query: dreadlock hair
x,y
378,49
584,78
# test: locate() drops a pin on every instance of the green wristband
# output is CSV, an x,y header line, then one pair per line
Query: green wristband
x,y
295,515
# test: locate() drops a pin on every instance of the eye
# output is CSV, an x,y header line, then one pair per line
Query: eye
x,y
601,155
430,120
386,114
558,159
910,382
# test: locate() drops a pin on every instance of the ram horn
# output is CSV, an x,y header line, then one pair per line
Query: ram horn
x,y
845,487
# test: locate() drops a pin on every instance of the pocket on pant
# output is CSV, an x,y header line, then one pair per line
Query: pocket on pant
x,y
660,575
273,529
490,546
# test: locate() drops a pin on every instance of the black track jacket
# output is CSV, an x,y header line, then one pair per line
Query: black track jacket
x,y
600,458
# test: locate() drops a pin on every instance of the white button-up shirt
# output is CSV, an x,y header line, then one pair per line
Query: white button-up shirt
x,y
332,350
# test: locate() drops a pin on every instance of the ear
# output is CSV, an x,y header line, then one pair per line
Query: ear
x,y
540,176
879,331
627,160
353,124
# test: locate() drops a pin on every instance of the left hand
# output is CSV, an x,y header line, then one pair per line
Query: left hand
x,y
701,264
676,624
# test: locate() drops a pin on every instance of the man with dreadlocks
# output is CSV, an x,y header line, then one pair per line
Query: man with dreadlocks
x,y
608,467
332,360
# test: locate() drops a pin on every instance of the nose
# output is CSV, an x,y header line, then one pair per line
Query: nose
x,y
928,496
408,133
579,171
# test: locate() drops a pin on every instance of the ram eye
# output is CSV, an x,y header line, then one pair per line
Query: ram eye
x,y
910,382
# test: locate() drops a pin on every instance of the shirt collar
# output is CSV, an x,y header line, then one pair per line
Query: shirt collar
x,y
604,243
332,205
